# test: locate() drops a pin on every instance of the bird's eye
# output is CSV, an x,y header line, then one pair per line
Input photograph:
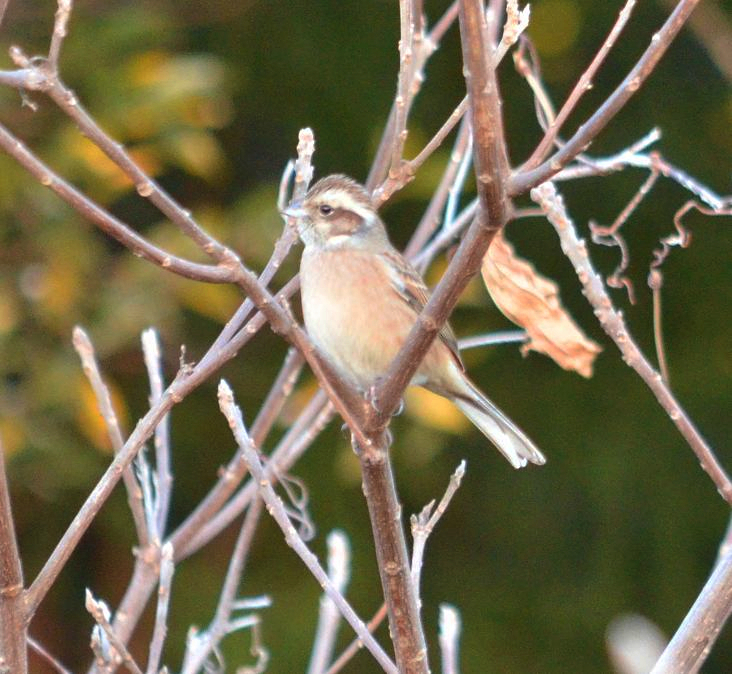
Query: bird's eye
x,y
325,209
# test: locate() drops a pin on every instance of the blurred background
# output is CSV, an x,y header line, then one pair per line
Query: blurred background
x,y
209,97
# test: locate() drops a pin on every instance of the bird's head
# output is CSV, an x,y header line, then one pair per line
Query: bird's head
x,y
337,212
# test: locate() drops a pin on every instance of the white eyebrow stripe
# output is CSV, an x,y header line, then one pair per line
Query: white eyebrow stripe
x,y
340,199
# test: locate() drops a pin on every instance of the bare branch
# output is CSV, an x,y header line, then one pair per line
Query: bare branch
x,y
60,24
696,635
517,21
186,380
161,614
279,392
449,638
424,523
85,350
431,218
524,180
403,97
612,322
408,87
164,478
356,645
329,618
400,593
583,84
13,615
277,510
107,222
491,169
611,236
222,623
100,613
50,659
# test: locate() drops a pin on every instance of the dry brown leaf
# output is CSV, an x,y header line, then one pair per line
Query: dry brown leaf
x,y
532,301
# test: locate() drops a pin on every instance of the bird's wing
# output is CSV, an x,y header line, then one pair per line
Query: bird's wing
x,y
409,285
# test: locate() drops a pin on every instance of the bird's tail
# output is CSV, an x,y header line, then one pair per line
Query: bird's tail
x,y
496,426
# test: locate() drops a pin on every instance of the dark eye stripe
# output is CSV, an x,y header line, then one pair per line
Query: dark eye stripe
x,y
345,221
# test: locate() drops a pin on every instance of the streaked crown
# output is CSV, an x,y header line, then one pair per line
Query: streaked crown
x,y
336,211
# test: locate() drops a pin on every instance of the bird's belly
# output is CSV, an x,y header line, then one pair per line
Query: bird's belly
x,y
350,316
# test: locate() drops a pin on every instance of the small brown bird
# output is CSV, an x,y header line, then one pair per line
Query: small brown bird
x,y
360,299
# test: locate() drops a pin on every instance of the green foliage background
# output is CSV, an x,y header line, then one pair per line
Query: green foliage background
x,y
210,96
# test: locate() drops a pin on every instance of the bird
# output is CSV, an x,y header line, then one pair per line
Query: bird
x,y
361,297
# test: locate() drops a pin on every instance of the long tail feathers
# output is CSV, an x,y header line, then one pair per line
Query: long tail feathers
x,y
497,427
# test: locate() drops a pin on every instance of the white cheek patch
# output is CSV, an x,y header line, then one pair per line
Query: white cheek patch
x,y
338,240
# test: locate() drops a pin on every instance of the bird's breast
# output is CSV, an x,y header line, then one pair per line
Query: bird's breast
x,y
352,313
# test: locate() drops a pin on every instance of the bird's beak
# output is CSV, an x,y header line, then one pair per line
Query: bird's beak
x,y
294,210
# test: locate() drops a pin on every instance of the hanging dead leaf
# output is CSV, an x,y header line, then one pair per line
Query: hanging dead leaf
x,y
532,301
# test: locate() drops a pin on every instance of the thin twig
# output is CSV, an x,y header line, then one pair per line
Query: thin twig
x,y
299,437
397,179
611,236
144,575
59,32
403,97
186,381
694,639
303,168
85,350
276,509
380,166
517,21
50,659
612,322
329,618
164,478
424,523
222,623
100,612
279,392
356,645
655,283
449,638
107,222
492,339
167,567
583,84
446,236
422,527
431,218
522,181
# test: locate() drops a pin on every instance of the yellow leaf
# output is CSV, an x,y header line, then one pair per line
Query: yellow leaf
x,y
532,301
